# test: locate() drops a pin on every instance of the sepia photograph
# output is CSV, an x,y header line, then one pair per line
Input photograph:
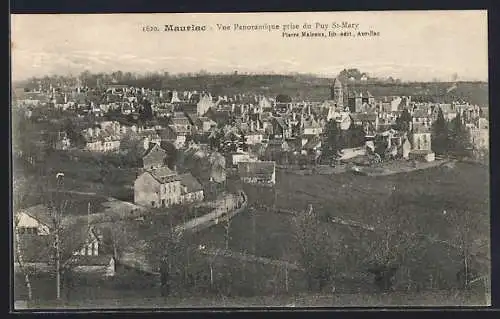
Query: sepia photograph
x,y
250,160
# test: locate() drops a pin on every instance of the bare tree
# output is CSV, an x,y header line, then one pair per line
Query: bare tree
x,y
67,235
466,232
20,258
393,245
316,250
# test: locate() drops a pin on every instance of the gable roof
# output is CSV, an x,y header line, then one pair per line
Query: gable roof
x,y
164,175
190,182
155,147
39,212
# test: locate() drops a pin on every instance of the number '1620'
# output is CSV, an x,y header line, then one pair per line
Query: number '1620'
x,y
150,28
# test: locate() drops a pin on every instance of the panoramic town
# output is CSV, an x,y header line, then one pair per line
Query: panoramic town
x,y
130,187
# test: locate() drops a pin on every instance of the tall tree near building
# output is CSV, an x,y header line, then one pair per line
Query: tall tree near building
x,y
332,141
440,134
403,121
146,112
459,136
66,234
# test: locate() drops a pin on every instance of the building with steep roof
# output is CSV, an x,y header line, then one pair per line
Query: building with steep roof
x,y
163,187
154,157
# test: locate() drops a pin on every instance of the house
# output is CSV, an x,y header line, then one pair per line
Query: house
x,y
108,144
240,157
421,145
84,251
421,138
154,157
181,122
422,117
280,128
356,99
104,265
479,134
369,122
35,220
254,138
173,135
311,127
343,120
276,150
191,189
449,111
263,173
204,104
163,187
160,187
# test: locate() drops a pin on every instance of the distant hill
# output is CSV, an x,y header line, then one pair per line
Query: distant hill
x,y
308,87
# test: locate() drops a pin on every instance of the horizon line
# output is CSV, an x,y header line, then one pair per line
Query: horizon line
x,y
247,73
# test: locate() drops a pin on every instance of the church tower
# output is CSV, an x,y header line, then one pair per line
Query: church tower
x,y
337,93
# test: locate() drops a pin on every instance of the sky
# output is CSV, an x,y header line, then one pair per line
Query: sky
x,y
412,45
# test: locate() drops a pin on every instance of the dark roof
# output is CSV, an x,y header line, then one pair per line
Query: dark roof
x,y
248,169
151,147
190,182
164,175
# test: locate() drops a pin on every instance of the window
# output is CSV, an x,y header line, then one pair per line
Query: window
x,y
163,203
153,203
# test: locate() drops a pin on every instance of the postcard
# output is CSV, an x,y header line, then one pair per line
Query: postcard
x,y
250,160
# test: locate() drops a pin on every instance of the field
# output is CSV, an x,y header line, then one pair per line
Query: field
x,y
421,202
